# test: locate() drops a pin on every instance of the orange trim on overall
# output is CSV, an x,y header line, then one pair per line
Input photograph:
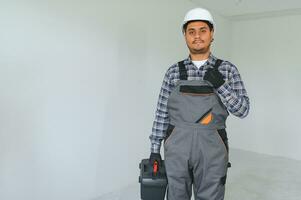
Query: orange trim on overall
x,y
207,119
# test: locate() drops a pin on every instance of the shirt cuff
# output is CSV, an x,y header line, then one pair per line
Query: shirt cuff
x,y
155,148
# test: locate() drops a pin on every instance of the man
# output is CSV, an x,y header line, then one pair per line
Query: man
x,y
193,105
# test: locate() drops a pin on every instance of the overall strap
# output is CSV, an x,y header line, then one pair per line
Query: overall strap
x,y
182,70
217,63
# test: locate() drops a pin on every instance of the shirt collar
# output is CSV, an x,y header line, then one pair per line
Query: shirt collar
x,y
210,62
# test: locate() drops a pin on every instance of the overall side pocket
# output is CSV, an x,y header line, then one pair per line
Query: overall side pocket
x,y
223,136
169,131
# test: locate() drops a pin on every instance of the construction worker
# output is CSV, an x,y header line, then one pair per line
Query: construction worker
x,y
195,98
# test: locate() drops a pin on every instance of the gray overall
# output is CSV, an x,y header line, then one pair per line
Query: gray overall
x,y
195,147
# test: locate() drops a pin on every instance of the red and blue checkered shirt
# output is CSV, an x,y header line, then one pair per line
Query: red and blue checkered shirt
x,y
232,94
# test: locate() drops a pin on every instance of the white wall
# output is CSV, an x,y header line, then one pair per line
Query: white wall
x,y
79,81
266,50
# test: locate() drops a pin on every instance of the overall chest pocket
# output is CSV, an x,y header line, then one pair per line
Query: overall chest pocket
x,y
195,103
196,90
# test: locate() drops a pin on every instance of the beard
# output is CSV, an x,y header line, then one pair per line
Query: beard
x,y
199,50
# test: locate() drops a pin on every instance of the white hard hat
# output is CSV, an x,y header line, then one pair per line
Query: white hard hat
x,y
198,14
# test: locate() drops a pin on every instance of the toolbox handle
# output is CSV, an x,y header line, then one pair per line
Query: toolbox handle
x,y
155,167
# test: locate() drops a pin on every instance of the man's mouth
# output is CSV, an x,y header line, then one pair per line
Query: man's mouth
x,y
197,42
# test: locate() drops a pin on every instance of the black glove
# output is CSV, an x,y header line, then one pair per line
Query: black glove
x,y
155,157
214,77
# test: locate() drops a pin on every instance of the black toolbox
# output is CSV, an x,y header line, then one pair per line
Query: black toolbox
x,y
152,181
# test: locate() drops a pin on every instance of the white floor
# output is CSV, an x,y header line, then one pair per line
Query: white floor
x,y
252,177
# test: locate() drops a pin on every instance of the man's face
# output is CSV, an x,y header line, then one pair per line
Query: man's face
x,y
198,37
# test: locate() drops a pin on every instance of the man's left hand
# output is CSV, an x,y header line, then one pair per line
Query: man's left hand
x,y
214,77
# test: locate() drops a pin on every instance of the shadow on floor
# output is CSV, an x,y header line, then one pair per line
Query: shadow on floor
x,y
252,176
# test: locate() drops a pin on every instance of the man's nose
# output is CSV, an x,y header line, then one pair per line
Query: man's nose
x,y
197,35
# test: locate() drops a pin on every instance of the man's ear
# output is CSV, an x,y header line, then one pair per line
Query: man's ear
x,y
184,32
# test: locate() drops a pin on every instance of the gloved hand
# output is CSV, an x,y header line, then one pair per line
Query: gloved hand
x,y
214,77
155,157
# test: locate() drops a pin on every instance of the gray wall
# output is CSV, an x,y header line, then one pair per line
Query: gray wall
x,y
79,81
267,51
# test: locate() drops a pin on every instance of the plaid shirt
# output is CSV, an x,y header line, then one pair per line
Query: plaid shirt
x,y
232,94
